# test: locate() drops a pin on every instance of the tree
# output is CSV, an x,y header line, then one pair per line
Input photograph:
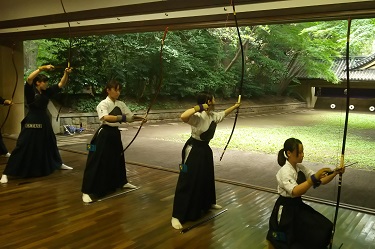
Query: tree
x,y
197,60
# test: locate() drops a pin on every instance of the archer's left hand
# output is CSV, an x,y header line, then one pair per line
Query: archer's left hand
x,y
337,171
340,170
8,102
68,70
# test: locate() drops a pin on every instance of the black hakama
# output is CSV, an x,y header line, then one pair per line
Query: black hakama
x,y
105,167
3,148
36,153
296,225
195,190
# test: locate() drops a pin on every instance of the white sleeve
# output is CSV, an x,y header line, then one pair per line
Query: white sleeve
x,y
219,116
102,110
194,119
125,110
286,181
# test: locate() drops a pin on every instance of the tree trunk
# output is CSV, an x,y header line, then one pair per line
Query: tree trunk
x,y
295,66
245,45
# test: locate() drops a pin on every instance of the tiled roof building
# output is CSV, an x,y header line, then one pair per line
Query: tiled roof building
x,y
360,68
361,79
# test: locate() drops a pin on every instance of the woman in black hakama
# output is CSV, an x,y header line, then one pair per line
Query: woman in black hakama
x,y
36,153
294,224
195,190
105,166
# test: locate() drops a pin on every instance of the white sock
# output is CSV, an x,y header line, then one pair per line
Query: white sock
x,y
7,154
176,223
215,206
128,185
63,166
86,198
4,179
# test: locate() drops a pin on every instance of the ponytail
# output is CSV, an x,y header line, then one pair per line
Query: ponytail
x,y
291,144
281,160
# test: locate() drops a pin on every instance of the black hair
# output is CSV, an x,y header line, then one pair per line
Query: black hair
x,y
204,97
40,78
291,144
112,84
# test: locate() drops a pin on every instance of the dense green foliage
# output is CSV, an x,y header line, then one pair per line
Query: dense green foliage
x,y
196,60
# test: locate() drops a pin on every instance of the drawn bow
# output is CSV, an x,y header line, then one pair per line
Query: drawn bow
x,y
342,161
158,89
15,86
242,77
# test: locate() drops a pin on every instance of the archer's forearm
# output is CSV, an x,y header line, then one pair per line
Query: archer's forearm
x,y
32,76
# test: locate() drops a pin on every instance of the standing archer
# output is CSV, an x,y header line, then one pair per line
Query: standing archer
x,y
195,190
36,153
105,167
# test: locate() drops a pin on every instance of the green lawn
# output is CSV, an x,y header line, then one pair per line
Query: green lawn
x,y
322,139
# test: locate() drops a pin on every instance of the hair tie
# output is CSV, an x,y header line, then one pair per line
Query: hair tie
x,y
285,154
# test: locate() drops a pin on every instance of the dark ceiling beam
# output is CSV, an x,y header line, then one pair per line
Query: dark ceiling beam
x,y
355,10
128,10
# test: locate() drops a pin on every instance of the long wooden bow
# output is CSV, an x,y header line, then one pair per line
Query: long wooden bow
x,y
342,161
242,77
15,86
158,89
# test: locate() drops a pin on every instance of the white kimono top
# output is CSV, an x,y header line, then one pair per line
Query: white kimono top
x,y
201,121
107,105
287,178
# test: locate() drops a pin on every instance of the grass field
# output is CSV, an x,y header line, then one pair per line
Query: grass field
x,y
322,139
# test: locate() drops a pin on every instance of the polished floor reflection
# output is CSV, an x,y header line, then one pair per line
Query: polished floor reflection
x,y
48,212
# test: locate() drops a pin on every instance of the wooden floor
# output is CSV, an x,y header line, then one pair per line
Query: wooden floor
x,y
48,212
